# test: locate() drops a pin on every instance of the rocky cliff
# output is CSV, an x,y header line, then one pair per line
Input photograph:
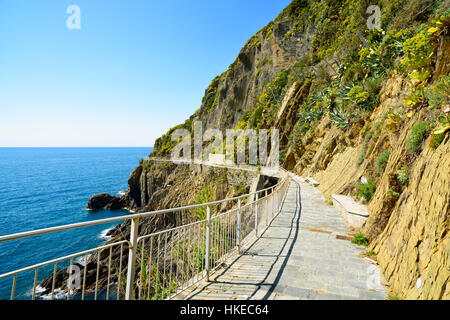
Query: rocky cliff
x,y
350,103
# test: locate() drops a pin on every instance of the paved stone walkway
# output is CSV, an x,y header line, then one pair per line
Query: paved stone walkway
x,y
297,257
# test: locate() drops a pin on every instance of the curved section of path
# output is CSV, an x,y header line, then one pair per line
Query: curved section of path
x,y
297,257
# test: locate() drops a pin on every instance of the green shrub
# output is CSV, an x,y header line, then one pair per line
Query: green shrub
x,y
391,45
372,63
270,99
263,62
146,164
418,133
361,157
205,196
154,284
381,161
309,116
403,175
239,188
267,31
373,85
358,95
363,99
360,239
439,94
255,119
417,51
354,72
253,42
436,140
365,190
370,253
393,193
210,100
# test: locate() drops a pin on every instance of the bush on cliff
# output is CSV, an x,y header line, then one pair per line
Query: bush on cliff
x,y
418,133
365,190
381,161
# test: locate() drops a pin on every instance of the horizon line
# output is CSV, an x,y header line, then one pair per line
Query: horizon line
x,y
4,147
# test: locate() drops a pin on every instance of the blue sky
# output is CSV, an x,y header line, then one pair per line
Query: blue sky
x,y
135,68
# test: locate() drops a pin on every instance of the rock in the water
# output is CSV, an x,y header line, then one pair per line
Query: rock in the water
x,y
105,201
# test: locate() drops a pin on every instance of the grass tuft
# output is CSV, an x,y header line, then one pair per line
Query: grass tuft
x,y
360,239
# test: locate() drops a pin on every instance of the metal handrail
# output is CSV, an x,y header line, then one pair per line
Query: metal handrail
x,y
61,258
226,239
43,231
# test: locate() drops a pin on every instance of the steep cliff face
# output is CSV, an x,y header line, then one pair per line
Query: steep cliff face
x,y
265,55
414,248
233,95
161,185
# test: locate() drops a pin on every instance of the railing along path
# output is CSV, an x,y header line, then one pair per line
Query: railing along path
x,y
157,265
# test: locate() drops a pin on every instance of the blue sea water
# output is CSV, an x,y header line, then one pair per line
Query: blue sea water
x,y
46,187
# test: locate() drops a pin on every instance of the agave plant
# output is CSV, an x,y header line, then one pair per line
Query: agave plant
x,y
309,116
445,124
339,118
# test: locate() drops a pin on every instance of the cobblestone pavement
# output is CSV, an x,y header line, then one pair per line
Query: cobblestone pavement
x,y
297,257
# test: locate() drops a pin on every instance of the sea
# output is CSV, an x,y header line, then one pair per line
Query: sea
x,y
47,187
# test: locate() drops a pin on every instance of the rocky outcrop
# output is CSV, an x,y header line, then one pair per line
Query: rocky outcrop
x,y
106,201
134,193
287,115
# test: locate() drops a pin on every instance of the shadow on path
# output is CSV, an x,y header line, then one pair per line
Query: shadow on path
x,y
293,230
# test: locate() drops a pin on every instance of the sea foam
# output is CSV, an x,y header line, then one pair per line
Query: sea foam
x,y
103,235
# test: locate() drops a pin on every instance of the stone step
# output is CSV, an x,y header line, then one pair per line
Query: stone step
x,y
354,213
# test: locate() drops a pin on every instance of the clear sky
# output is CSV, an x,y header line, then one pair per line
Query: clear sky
x,y
135,68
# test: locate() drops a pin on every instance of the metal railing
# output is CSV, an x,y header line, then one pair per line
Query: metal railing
x,y
155,265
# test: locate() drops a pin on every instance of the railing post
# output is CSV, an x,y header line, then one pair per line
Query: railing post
x,y
277,204
129,292
267,209
271,203
208,241
238,227
256,215
275,196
